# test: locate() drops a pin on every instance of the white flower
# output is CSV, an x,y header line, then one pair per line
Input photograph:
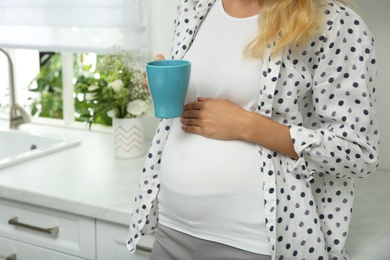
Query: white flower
x,y
137,107
93,87
91,96
116,85
111,113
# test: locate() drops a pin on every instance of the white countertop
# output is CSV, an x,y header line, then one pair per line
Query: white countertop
x,y
89,180
86,179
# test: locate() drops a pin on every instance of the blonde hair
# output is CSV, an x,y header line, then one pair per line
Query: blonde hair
x,y
285,23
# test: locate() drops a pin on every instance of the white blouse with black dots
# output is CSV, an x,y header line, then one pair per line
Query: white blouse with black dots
x,y
325,93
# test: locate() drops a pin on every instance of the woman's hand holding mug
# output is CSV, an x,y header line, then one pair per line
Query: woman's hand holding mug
x,y
145,80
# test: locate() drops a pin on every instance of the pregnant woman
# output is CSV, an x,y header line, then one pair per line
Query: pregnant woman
x,y
279,121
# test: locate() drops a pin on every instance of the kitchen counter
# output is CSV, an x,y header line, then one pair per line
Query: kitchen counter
x,y
88,180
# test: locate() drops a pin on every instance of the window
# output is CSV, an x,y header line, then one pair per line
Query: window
x,y
32,29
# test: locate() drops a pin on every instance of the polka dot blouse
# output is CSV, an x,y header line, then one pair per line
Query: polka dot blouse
x,y
325,93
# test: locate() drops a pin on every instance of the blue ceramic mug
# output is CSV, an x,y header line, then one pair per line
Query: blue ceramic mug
x,y
168,82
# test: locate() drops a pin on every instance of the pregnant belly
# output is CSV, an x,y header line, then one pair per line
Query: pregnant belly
x,y
192,164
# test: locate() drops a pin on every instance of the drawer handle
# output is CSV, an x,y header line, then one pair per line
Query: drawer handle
x,y
50,231
144,249
11,257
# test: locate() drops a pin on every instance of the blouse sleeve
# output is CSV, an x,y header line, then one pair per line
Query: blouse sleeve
x,y
346,142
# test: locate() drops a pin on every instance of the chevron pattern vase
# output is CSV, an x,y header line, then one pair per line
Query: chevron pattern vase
x,y
129,137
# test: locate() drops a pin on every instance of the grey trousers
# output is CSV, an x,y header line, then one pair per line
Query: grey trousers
x,y
173,245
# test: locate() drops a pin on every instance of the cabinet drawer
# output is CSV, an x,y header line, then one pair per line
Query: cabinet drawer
x,y
111,243
17,250
56,230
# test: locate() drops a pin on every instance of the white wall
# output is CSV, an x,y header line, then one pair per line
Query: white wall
x,y
162,14
374,12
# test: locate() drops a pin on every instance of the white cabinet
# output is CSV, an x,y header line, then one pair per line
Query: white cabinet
x,y
14,250
29,230
32,232
111,239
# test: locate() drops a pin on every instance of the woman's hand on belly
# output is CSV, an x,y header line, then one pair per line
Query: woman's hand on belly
x,y
214,118
224,120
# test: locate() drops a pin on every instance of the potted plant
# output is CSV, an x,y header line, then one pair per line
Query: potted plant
x,y
114,93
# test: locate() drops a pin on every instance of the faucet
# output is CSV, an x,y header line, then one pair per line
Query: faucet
x,y
18,115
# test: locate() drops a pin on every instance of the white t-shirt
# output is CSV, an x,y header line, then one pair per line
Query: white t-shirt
x,y
212,189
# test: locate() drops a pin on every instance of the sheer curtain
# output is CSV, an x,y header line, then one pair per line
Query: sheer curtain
x,y
73,25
